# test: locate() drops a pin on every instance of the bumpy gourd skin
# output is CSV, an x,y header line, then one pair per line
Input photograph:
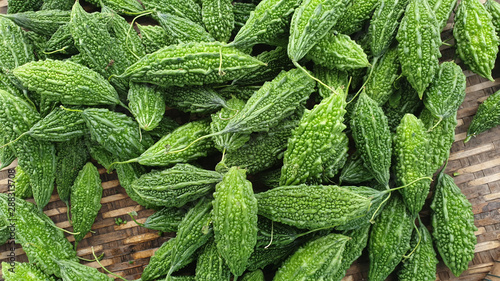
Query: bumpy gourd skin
x,y
235,219
23,271
42,241
59,126
211,265
17,6
318,146
22,183
61,40
384,24
66,82
71,157
476,38
176,186
121,6
183,30
402,101
86,194
355,16
158,154
354,170
317,260
453,225
419,41
487,116
266,23
191,64
218,18
353,248
195,99
384,72
147,105
127,173
442,10
389,239
160,262
447,92
188,9
313,206
334,78
165,220
116,132
311,21
273,102
230,141
75,271
370,130
421,265
338,51
493,7
256,275
154,37
41,22
411,152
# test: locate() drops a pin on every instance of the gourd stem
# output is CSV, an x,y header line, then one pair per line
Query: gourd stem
x,y
403,186
69,109
372,219
375,60
16,139
468,138
138,223
56,51
418,243
133,160
100,257
123,105
139,14
105,269
145,13
433,127
226,119
314,78
199,139
67,231
272,232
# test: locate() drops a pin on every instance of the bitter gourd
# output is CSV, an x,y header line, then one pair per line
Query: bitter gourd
x,y
127,173
322,257
59,126
231,141
165,220
419,41
486,117
235,219
13,271
197,99
43,242
442,10
334,78
266,23
120,6
412,167
17,6
188,9
382,75
183,30
154,37
191,64
22,184
353,249
475,37
147,105
159,264
86,194
318,146
389,238
165,127
116,132
402,101
338,51
453,225
218,17
44,22
311,22
493,8
355,16
176,186
421,265
241,13
447,91
71,157
57,5
313,206
66,82
75,271
211,265
61,41
158,154
384,24
354,170
256,275
100,154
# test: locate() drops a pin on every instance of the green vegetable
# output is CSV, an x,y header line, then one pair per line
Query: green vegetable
x,y
146,104
176,186
188,9
17,6
334,78
86,194
74,271
475,37
121,6
382,75
235,219
44,22
442,10
487,116
355,16
183,30
493,8
230,142
22,184
154,37
23,271
241,13
256,275
57,5
127,173
404,100
211,265
322,257
419,42
453,225
160,262
218,18
354,170
59,126
100,154
165,220
197,99
353,248
61,41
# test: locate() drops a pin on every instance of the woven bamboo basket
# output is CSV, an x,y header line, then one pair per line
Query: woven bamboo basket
x,y
128,247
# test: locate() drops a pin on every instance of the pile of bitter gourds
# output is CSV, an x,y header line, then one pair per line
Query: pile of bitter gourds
x,y
327,120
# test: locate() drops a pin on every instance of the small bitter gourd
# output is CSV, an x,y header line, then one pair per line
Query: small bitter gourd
x,y
354,170
412,167
13,271
146,104
22,184
353,248
382,75
389,238
154,37
75,271
442,10
486,117
311,22
67,82
176,186
86,194
218,17
165,220
355,16
59,126
338,51
322,257
183,30
475,37
57,5
196,99
384,24
313,206
402,101
17,6
318,146
44,22
194,63
159,264
61,41
188,9
71,157
493,8
211,265
235,219
419,41
231,141
453,225
421,265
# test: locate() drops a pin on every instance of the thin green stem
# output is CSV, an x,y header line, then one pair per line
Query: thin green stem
x,y
372,219
272,232
433,127
133,160
70,109
314,78
100,257
16,139
105,269
133,218
418,243
56,51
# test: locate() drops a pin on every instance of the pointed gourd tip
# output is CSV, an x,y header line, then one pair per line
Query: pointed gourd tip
x,y
468,138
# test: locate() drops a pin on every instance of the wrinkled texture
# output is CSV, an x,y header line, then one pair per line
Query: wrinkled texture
x,y
218,18
486,117
75,271
146,104
384,24
355,16
338,51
